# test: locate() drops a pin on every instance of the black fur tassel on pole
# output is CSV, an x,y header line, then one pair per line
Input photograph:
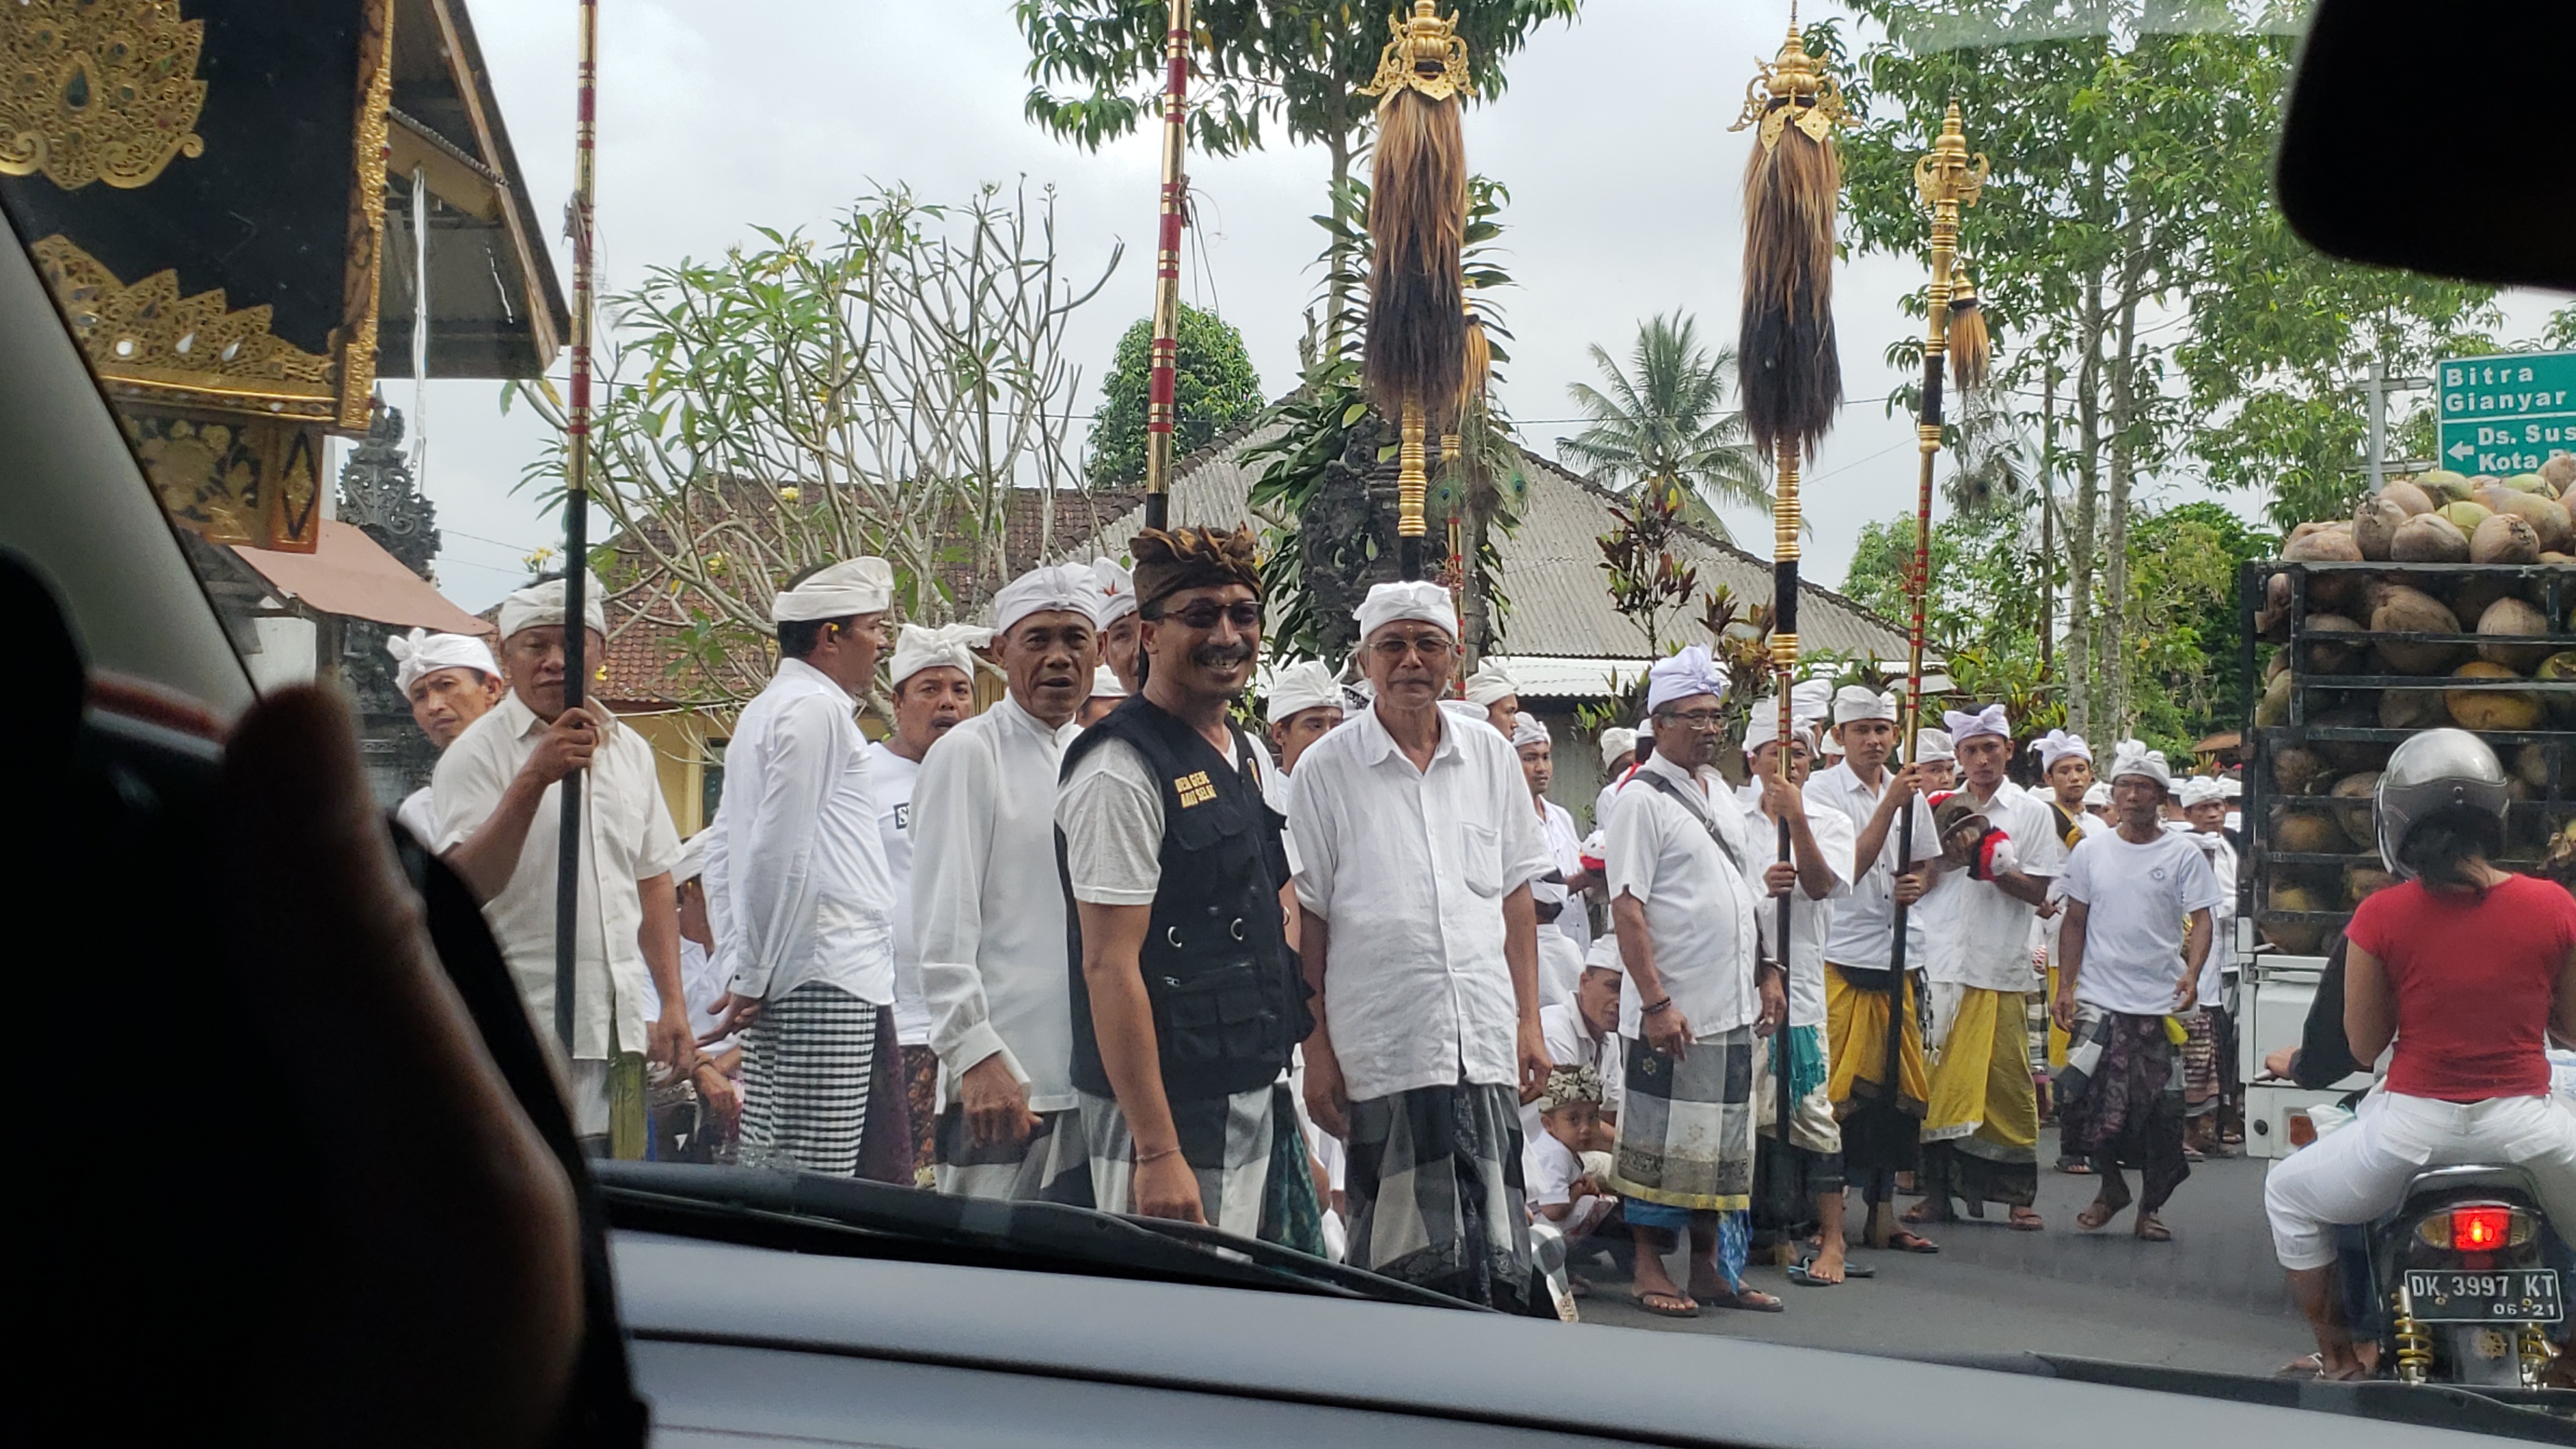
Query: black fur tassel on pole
x,y
1413,355
1790,373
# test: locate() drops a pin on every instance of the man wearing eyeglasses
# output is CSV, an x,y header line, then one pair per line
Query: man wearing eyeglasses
x,y
1416,845
1186,999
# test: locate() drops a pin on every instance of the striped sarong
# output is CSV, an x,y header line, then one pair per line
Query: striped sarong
x,y
1686,1128
1225,1140
807,1066
1049,1165
1435,1195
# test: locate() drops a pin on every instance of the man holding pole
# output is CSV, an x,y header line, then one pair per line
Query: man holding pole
x,y
1879,1126
497,791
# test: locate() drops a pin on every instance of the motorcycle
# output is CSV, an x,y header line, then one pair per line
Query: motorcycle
x,y
2462,1281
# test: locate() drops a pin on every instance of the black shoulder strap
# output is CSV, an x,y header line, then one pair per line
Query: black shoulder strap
x,y
1700,810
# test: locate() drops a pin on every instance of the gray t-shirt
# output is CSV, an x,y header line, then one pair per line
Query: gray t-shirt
x,y
1111,812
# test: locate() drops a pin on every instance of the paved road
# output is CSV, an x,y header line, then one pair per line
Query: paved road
x,y
2210,1299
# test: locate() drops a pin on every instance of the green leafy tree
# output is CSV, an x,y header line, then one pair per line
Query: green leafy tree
x,y
1213,387
1663,422
1096,69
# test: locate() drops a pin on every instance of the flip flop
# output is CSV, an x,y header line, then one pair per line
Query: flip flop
x,y
1905,1242
2151,1230
2031,1224
1747,1300
2074,1167
1640,1300
1802,1273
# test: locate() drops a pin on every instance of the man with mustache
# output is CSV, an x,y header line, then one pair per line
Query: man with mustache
x,y
991,935
1186,998
1416,845
934,690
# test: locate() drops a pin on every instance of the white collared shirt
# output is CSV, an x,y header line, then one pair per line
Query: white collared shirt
x,y
627,837
804,870
1865,920
1565,847
1984,940
1810,919
1699,909
1409,868
988,908
893,778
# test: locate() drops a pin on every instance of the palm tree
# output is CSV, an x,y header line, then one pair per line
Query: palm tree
x,y
1663,422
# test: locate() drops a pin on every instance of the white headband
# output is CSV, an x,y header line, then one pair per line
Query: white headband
x,y
1992,720
1933,746
1852,702
1050,588
2098,793
425,653
2057,745
1420,600
1117,591
1618,746
1682,675
1105,685
1526,730
2201,790
2134,758
542,604
950,646
852,586
1762,726
1302,686
1491,684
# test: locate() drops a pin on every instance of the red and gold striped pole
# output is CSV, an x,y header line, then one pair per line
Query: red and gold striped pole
x,y
576,511
1167,271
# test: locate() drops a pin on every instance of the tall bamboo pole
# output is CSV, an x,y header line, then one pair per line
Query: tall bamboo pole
x,y
1947,179
576,515
1167,271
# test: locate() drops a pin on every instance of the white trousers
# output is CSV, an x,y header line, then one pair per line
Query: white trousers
x,y
2354,1174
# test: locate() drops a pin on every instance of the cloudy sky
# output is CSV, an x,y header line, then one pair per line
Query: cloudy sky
x,y
718,116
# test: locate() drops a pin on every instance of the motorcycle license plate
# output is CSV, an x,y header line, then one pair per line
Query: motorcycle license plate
x,y
2511,1295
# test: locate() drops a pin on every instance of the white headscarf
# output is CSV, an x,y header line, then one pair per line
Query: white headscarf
x,y
1420,599
1933,745
542,604
1491,684
1304,685
950,646
2200,790
1105,685
2132,757
1605,947
1618,746
2097,794
1762,726
1963,727
1066,588
1117,591
2057,745
1526,730
852,586
1679,676
422,652
1852,702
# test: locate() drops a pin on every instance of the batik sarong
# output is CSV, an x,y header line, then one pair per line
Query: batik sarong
x,y
808,1066
1787,1183
2120,1098
921,1096
1225,1140
1686,1129
1981,1128
1435,1194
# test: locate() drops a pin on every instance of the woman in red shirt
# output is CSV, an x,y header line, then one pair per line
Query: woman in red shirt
x,y
2469,969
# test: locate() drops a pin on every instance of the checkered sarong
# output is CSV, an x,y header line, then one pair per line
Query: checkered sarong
x,y
806,1068
1435,1195
1686,1129
1225,1140
1049,1166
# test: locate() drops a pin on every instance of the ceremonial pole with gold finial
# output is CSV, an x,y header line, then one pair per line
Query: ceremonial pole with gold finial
x,y
1413,357
576,511
1789,367
1167,271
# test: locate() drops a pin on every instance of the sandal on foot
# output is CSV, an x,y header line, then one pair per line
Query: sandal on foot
x,y
1686,1307
1803,1273
1748,1300
2075,1167
2023,1220
1905,1242
2097,1215
2152,1230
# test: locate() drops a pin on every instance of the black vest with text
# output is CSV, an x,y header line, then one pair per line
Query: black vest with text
x,y
1229,997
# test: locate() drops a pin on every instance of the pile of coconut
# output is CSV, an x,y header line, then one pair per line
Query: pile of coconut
x,y
2439,517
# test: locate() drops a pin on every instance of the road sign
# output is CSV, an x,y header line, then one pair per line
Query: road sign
x,y
2506,414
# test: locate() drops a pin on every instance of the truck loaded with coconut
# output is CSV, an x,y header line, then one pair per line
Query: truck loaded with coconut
x,y
2444,600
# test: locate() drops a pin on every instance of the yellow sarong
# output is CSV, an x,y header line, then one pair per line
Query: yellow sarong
x,y
1856,1046
1982,1087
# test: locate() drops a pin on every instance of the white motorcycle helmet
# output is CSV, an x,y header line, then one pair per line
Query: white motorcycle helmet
x,y
2435,771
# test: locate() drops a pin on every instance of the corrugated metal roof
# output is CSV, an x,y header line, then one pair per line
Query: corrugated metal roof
x,y
1551,563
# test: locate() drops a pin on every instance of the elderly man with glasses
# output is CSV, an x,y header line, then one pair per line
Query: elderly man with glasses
x,y
1416,846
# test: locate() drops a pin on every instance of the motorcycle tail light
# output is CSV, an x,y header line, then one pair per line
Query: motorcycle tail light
x,y
2482,1229
2303,1130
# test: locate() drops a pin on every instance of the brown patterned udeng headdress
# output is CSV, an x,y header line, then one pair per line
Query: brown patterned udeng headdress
x,y
1170,560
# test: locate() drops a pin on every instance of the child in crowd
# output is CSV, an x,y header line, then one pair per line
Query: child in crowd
x,y
1563,1165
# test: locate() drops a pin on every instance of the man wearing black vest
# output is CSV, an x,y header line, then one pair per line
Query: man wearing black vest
x,y
1186,996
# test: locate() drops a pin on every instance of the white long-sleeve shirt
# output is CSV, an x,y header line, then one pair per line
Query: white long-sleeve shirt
x,y
1409,869
808,896
892,777
988,910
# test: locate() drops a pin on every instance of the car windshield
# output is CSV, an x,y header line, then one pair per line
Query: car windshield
x,y
1227,625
